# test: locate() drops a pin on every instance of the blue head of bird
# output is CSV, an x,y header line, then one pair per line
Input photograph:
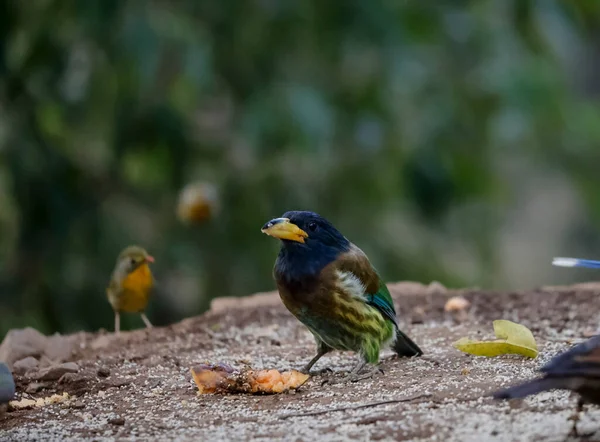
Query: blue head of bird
x,y
308,243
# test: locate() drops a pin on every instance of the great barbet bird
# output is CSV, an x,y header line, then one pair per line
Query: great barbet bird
x,y
330,286
131,284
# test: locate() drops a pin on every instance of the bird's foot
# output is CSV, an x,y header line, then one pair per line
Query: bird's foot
x,y
356,377
146,320
322,351
575,417
306,370
573,433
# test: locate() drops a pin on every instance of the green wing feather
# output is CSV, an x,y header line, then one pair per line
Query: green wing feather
x,y
382,301
378,296
377,293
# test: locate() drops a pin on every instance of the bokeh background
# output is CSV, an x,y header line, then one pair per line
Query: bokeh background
x,y
452,141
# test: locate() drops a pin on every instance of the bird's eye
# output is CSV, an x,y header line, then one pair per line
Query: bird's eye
x,y
312,226
132,261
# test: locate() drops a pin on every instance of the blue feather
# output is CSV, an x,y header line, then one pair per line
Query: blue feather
x,y
576,262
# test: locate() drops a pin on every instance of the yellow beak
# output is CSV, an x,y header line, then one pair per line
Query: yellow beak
x,y
282,228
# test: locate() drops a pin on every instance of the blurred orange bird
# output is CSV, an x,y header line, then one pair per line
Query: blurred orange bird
x,y
131,284
198,202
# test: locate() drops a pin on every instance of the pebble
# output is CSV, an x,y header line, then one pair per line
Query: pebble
x,y
24,365
103,372
55,372
436,288
117,421
100,342
456,303
34,387
21,343
78,405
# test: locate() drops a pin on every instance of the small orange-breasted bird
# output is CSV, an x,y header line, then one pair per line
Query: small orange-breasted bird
x,y
131,284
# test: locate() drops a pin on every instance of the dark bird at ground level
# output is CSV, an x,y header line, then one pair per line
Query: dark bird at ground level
x,y
329,284
577,369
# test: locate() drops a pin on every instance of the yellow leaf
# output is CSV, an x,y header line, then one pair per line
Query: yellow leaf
x,y
514,333
512,339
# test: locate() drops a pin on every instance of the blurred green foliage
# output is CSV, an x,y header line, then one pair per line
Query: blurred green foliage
x,y
426,131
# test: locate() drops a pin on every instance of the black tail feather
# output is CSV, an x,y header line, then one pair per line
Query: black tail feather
x,y
404,346
529,388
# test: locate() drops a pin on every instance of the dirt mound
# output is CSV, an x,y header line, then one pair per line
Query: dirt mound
x,y
138,384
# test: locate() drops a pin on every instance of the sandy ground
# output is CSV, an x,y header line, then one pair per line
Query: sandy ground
x,y
138,386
